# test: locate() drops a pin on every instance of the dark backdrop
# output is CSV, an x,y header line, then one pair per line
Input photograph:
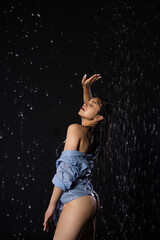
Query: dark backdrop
x,y
46,48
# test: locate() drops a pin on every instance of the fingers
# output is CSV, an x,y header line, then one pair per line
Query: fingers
x,y
95,78
45,228
90,80
45,224
84,78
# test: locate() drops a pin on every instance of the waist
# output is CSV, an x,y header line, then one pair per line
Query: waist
x,y
80,189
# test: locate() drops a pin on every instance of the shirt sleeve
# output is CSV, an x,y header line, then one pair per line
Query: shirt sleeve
x,y
65,175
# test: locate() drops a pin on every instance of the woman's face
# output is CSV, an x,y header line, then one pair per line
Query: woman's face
x,y
90,109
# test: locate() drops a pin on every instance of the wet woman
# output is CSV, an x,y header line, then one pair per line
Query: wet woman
x,y
74,204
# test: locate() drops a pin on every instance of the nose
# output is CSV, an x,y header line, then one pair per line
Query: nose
x,y
85,104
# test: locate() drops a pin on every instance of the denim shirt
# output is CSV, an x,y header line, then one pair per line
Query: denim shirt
x,y
73,169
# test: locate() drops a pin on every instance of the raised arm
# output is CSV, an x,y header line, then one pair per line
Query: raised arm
x,y
86,84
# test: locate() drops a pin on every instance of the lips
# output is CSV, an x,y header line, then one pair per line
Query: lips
x,y
82,108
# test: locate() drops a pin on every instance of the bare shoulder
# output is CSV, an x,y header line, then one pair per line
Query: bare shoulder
x,y
75,127
74,135
75,130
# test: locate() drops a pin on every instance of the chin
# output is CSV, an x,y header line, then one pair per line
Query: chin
x,y
79,113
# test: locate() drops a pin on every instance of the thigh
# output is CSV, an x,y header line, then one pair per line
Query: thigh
x,y
88,231
74,216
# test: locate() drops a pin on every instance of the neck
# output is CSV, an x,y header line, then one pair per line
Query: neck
x,y
88,123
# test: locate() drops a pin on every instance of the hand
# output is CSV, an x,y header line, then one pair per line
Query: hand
x,y
88,82
48,216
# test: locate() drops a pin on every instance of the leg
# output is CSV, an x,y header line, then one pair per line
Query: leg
x,y
88,231
74,216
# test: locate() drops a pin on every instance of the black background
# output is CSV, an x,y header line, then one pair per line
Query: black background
x,y
45,49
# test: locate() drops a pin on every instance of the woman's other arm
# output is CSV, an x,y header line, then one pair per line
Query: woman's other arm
x,y
86,83
55,196
72,141
51,208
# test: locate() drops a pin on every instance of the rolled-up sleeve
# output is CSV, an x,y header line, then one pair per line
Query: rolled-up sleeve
x,y
65,175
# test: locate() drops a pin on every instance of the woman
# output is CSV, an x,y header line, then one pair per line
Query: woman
x,y
74,204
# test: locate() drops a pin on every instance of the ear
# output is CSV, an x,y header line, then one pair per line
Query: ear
x,y
99,118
